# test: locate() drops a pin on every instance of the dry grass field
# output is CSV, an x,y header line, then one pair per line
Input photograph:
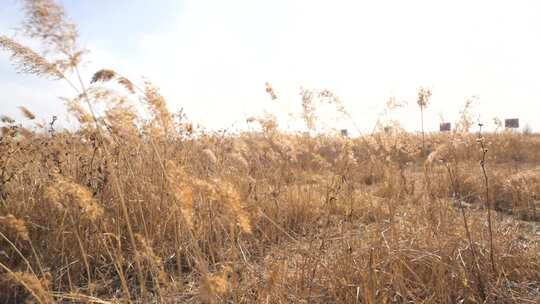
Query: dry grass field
x,y
141,207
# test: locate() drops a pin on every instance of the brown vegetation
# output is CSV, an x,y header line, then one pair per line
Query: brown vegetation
x,y
144,208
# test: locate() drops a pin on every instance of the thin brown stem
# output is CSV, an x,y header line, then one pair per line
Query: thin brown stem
x,y
455,190
487,202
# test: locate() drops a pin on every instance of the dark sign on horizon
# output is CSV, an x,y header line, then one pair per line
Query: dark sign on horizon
x,y
511,123
445,127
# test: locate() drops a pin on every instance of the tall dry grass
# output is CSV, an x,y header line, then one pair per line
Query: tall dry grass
x,y
144,208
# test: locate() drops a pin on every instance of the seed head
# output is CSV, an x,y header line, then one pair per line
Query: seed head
x,y
27,61
27,113
103,75
17,225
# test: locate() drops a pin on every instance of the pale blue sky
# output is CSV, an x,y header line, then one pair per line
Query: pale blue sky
x,y
213,57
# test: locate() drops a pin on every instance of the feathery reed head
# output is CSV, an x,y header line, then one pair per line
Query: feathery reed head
x,y
73,196
46,20
127,84
103,75
27,113
270,91
423,96
17,225
6,119
27,61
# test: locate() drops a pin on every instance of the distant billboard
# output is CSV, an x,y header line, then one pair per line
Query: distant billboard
x,y
445,127
511,123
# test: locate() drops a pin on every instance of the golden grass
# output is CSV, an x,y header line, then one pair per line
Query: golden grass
x,y
144,208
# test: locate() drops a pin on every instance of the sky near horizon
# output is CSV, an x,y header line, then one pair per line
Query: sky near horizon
x,y
212,58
